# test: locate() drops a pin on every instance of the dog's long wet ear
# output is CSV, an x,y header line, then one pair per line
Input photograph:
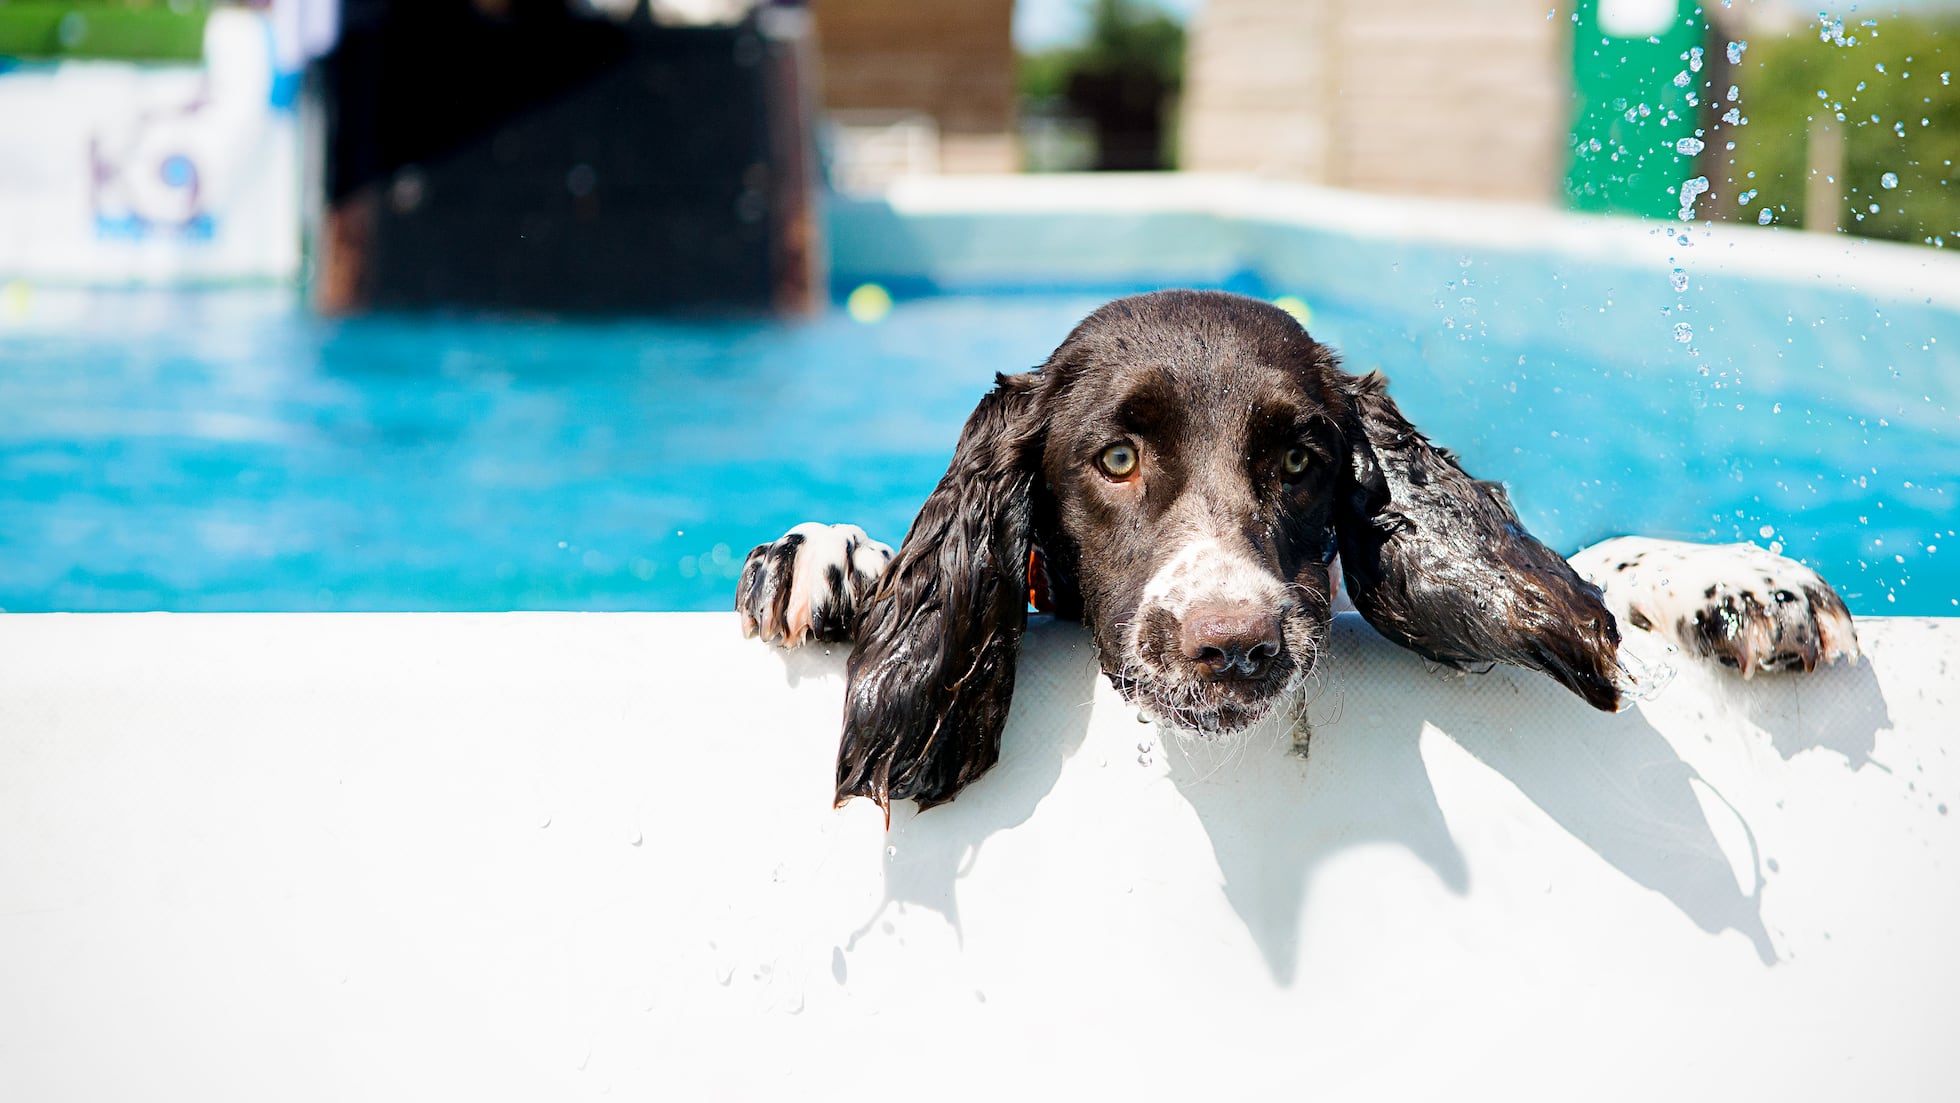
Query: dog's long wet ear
x,y
1438,562
933,670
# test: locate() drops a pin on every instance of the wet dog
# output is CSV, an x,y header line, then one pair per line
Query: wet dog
x,y
1189,474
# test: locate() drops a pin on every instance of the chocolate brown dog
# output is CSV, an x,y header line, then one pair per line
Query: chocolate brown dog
x,y
1189,474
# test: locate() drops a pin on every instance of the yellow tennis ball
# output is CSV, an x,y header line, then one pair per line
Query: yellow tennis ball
x,y
868,303
1296,306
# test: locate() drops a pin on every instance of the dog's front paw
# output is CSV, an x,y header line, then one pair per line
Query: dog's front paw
x,y
1735,603
810,584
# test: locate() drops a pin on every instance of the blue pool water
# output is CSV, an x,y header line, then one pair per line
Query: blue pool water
x,y
226,451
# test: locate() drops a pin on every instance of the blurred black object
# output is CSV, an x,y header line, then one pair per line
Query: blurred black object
x,y
1126,108
514,155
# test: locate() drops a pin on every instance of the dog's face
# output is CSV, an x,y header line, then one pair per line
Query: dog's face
x,y
1188,463
1193,455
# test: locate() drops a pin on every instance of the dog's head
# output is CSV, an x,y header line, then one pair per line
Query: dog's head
x,y
1183,471
1192,461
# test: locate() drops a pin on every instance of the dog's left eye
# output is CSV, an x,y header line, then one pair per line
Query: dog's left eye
x,y
1294,461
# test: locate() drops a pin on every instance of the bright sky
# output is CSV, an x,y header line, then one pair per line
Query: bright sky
x,y
1039,23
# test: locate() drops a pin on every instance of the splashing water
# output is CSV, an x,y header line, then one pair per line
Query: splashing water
x,y
1690,190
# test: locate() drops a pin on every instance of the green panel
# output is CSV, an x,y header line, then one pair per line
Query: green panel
x,y
1631,87
58,31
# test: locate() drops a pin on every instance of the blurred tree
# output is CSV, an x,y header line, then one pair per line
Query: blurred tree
x,y
1858,123
1123,79
129,30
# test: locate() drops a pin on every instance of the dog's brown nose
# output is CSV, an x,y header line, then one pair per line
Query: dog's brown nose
x,y
1225,642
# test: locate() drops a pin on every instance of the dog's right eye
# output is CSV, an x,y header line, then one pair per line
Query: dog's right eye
x,y
1118,461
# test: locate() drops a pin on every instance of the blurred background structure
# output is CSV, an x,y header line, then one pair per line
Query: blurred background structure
x,y
627,155
916,88
1405,96
531,156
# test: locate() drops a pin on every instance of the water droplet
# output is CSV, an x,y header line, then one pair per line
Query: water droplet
x,y
1688,147
1144,746
1735,52
891,852
724,973
1143,760
1679,279
1141,718
638,838
1766,532
1763,217
544,822
1889,180
1683,332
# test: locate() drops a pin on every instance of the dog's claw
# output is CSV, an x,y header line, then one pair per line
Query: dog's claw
x,y
809,584
1783,629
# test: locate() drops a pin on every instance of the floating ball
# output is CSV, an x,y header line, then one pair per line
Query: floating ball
x,y
1296,306
868,303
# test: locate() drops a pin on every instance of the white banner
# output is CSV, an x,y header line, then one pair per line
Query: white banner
x,y
114,173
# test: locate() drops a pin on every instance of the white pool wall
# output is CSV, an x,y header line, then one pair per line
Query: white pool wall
x,y
556,856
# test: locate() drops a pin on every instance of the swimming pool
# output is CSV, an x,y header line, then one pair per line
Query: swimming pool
x,y
224,450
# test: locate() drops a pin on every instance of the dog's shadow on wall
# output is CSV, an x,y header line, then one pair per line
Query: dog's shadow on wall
x,y
1613,783
930,855
1273,817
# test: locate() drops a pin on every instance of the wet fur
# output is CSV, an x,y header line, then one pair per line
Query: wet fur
x,y
1211,386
